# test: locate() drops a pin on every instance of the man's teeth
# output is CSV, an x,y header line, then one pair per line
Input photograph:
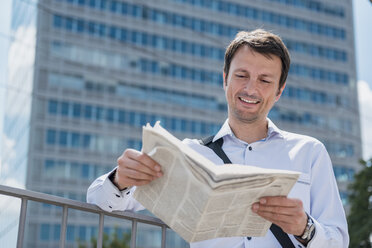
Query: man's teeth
x,y
248,101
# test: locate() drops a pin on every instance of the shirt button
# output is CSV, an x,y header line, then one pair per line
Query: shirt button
x,y
117,195
250,148
128,192
249,238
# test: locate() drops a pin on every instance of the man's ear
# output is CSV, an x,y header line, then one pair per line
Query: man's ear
x,y
280,91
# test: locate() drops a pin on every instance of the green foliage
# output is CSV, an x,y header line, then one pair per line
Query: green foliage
x,y
360,217
115,241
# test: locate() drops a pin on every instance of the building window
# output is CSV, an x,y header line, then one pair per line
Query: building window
x,y
64,108
56,232
70,234
86,141
99,113
57,21
49,168
76,110
75,140
343,174
85,171
88,111
110,115
63,138
83,233
344,198
44,232
52,107
51,137
121,116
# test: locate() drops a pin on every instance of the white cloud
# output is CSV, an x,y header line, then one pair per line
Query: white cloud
x,y
8,153
21,59
9,217
365,110
12,182
17,104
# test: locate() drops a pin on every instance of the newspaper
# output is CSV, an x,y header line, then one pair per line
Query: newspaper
x,y
200,200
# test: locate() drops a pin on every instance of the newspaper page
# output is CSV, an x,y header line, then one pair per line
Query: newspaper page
x,y
200,200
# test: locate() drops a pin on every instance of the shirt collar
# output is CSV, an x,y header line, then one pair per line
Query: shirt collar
x,y
226,130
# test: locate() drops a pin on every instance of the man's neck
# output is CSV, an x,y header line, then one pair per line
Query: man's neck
x,y
249,132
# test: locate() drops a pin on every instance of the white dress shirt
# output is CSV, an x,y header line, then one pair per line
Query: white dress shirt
x,y
316,186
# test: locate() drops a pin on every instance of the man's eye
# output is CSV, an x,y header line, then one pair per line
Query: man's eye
x,y
239,76
265,81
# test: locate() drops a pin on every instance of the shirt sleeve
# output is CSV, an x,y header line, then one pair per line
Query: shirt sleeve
x,y
326,207
103,193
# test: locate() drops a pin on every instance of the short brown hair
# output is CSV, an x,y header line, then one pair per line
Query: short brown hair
x,y
262,42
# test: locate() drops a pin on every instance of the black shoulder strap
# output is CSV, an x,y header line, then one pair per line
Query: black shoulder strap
x,y
281,236
216,146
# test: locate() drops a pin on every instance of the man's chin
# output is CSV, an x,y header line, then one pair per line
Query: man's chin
x,y
245,118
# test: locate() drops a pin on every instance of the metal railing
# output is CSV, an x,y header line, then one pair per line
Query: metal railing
x,y
27,195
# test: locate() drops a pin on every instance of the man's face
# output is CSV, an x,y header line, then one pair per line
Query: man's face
x,y
252,85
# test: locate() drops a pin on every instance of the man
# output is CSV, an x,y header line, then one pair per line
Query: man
x,y
255,71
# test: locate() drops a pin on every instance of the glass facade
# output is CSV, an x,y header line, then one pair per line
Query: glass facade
x,y
182,72
199,25
104,68
315,6
126,117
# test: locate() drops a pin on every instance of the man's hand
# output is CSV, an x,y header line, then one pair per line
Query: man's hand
x,y
135,169
285,212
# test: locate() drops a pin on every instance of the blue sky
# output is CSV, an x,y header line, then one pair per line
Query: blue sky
x,y
363,45
363,39
5,7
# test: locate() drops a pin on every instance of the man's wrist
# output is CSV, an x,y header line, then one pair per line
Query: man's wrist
x,y
308,233
112,178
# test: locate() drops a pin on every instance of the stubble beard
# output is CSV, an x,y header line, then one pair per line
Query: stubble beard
x,y
243,117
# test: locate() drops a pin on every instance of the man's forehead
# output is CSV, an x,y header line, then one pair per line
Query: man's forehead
x,y
242,51
244,70
254,52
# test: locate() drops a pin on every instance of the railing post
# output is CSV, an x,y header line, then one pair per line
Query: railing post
x,y
22,221
134,234
63,227
163,236
100,230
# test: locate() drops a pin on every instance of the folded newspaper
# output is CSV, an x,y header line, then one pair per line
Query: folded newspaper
x,y
200,200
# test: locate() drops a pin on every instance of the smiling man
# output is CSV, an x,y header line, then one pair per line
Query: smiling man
x,y
255,72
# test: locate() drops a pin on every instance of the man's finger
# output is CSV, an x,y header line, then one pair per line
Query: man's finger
x,y
137,166
143,159
275,217
280,201
276,209
136,182
137,175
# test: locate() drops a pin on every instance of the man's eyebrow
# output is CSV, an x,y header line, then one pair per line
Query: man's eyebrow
x,y
240,70
267,75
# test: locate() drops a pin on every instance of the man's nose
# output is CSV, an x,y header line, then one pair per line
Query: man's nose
x,y
251,85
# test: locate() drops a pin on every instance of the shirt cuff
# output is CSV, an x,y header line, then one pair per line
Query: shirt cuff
x,y
319,235
113,196
111,176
